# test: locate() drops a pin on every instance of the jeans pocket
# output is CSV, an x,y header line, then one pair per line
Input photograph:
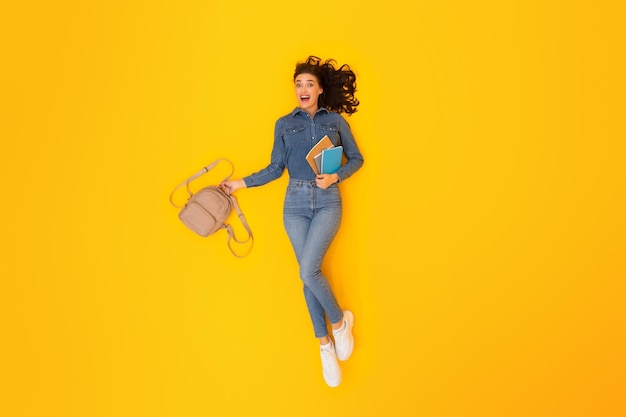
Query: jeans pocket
x,y
293,188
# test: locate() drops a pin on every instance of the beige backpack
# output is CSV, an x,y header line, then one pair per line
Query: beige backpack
x,y
207,210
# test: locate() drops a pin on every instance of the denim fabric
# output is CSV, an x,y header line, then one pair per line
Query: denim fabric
x,y
294,136
312,216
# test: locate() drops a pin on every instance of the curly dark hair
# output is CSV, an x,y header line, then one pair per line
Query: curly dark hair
x,y
339,84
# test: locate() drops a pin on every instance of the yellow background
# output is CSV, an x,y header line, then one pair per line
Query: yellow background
x,y
482,247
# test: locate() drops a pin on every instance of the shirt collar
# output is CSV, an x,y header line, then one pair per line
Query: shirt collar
x,y
299,110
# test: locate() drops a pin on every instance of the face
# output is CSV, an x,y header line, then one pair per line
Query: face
x,y
308,91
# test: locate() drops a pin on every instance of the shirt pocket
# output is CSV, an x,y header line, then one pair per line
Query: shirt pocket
x,y
294,133
294,136
332,132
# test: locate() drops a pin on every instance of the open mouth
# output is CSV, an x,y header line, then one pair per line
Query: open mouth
x,y
305,98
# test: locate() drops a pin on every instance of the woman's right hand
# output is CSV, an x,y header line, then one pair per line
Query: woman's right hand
x,y
231,186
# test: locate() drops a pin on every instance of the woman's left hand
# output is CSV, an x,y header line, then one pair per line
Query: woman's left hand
x,y
324,181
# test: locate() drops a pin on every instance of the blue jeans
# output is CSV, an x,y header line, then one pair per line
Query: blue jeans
x,y
312,216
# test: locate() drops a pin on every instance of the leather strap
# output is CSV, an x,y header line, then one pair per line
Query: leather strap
x,y
231,233
199,174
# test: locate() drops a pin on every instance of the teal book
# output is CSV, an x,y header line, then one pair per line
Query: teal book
x,y
331,160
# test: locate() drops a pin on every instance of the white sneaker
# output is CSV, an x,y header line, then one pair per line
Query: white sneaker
x,y
344,341
330,366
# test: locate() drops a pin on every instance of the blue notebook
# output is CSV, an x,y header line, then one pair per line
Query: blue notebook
x,y
331,160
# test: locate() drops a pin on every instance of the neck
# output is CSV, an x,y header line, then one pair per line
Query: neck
x,y
311,112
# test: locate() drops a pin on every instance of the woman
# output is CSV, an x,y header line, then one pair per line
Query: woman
x,y
312,207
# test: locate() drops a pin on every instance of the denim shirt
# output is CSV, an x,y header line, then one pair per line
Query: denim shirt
x,y
294,136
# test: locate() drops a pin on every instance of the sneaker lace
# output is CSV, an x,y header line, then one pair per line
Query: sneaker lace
x,y
340,339
327,358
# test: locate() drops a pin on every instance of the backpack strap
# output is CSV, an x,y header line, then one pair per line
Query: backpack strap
x,y
231,233
198,174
